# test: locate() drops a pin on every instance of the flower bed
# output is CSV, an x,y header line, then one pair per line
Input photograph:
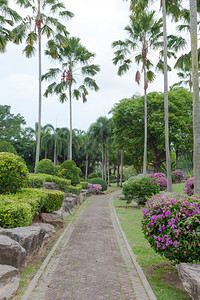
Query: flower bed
x,y
161,179
172,226
178,176
189,186
97,187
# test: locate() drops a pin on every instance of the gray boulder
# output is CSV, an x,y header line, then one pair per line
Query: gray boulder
x,y
67,208
30,238
190,277
55,218
91,192
11,252
51,186
49,230
9,281
121,197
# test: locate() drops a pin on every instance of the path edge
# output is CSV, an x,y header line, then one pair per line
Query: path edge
x,y
141,274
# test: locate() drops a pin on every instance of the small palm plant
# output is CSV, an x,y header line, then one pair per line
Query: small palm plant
x,y
75,66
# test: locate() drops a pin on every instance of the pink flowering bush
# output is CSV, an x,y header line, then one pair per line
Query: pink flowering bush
x,y
178,176
189,186
97,187
172,226
161,179
141,189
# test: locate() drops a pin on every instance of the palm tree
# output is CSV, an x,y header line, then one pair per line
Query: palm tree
x,y
7,19
196,104
144,34
75,61
31,29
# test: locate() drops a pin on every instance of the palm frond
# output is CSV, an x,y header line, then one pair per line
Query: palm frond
x,y
51,74
90,70
50,89
91,83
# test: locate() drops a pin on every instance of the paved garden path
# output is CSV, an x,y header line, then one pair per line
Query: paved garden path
x,y
92,261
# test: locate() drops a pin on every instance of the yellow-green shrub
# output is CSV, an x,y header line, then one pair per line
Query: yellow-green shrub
x,y
74,189
84,185
38,180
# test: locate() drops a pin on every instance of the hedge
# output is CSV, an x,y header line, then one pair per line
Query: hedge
x,y
19,209
74,189
38,180
46,166
99,181
84,185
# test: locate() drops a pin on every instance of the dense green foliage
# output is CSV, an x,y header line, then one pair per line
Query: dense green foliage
x,y
140,189
19,209
38,180
69,170
7,147
99,181
13,173
94,175
84,185
45,166
74,189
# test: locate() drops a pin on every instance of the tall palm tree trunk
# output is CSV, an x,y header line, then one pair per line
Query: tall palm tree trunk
x,y
196,104
145,124
55,151
37,157
70,127
102,169
105,162
122,164
108,160
86,167
118,166
169,177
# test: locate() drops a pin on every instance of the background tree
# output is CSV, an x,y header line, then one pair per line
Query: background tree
x,y
75,62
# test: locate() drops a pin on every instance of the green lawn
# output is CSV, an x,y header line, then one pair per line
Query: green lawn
x,y
160,272
178,187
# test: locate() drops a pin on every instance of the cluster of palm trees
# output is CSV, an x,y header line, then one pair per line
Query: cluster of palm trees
x,y
145,33
74,60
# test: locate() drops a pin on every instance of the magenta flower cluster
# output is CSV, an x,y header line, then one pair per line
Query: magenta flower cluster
x,y
97,187
189,186
178,175
161,179
172,226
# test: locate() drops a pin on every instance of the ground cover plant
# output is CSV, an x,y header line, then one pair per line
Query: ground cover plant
x,y
160,272
189,186
141,189
172,227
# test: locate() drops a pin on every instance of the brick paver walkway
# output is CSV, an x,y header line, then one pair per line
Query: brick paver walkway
x,y
91,263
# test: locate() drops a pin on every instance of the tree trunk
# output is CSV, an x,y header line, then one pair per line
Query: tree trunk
x,y
70,129
37,157
86,167
169,176
145,124
55,150
102,169
177,158
118,166
108,166
105,162
122,164
196,104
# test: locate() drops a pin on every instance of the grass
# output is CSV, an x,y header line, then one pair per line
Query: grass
x,y
160,272
178,187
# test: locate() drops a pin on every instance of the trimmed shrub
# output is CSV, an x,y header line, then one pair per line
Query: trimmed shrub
x,y
99,181
84,185
141,189
19,209
74,189
46,166
94,175
172,227
7,147
38,180
13,173
178,176
189,186
139,176
161,179
69,170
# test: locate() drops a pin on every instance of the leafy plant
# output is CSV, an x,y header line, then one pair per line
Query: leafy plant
x,y
97,187
189,186
161,179
46,166
99,181
38,180
178,176
172,226
94,175
69,170
7,147
13,173
141,189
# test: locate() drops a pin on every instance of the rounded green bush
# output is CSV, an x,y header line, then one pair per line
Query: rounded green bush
x,y
7,147
69,170
46,166
99,181
13,173
94,175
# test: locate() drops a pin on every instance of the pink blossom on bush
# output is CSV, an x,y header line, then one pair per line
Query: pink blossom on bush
x,y
161,179
97,187
178,175
189,186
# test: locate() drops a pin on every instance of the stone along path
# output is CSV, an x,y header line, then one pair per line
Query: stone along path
x,y
92,261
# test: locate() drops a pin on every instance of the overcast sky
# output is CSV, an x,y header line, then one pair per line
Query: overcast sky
x,y
98,24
